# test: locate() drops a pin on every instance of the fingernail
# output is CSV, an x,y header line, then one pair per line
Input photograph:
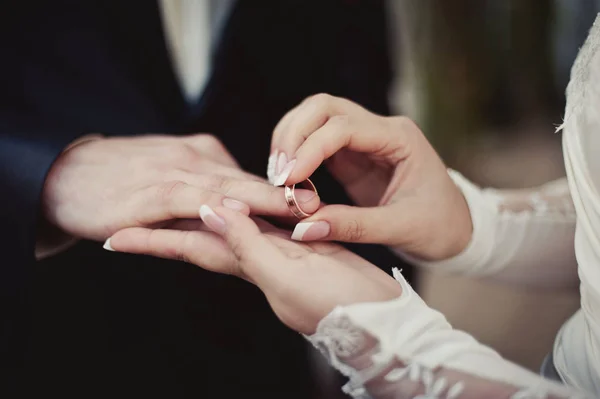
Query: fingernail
x,y
271,166
310,231
281,162
212,220
107,245
284,174
304,196
233,204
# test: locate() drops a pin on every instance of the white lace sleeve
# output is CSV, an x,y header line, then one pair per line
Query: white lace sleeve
x,y
404,349
522,237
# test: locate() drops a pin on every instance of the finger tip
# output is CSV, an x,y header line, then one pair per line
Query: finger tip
x,y
108,245
311,230
309,201
205,210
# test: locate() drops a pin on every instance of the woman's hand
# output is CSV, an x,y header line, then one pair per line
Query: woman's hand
x,y
302,282
389,169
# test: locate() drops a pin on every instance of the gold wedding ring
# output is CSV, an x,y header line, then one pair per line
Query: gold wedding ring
x,y
292,203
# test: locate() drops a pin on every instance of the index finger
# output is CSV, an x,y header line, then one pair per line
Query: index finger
x,y
307,117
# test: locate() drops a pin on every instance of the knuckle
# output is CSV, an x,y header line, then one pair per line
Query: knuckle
x,y
340,128
213,144
274,200
180,250
321,99
187,153
169,189
403,130
340,123
403,123
353,231
180,154
237,247
145,163
218,183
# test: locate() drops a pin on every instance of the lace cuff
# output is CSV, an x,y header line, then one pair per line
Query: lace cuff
x,y
404,349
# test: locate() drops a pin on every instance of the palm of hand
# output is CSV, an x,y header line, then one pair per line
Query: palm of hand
x,y
303,282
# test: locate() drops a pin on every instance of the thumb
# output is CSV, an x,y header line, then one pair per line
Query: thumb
x,y
375,225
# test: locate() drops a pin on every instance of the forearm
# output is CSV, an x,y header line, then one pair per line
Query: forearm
x,y
521,237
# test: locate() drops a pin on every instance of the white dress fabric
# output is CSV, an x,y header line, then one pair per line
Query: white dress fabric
x,y
545,237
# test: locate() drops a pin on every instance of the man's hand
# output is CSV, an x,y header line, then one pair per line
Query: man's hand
x,y
101,186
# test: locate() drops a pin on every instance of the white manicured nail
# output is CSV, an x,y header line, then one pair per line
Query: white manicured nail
x,y
107,245
212,220
310,231
284,174
271,166
281,162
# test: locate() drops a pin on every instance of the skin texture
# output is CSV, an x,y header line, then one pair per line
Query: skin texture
x,y
303,282
100,186
404,197
402,190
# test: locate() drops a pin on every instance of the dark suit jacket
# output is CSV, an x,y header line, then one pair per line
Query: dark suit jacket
x,y
89,322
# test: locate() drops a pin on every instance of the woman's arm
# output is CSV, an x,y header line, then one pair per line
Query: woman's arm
x,y
374,330
521,237
406,199
404,349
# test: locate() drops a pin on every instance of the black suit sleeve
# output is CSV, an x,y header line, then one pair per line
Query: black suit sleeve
x,y
26,155
32,135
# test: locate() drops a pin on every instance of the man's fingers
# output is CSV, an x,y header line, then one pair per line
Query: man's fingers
x,y
262,198
176,200
204,249
179,200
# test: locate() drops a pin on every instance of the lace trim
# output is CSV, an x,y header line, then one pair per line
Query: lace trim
x,y
551,199
338,339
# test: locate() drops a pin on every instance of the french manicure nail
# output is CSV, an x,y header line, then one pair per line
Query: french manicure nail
x,y
212,220
310,231
284,174
281,162
233,204
271,165
107,245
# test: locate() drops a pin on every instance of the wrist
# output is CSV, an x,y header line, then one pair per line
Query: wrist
x,y
480,242
50,238
461,227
